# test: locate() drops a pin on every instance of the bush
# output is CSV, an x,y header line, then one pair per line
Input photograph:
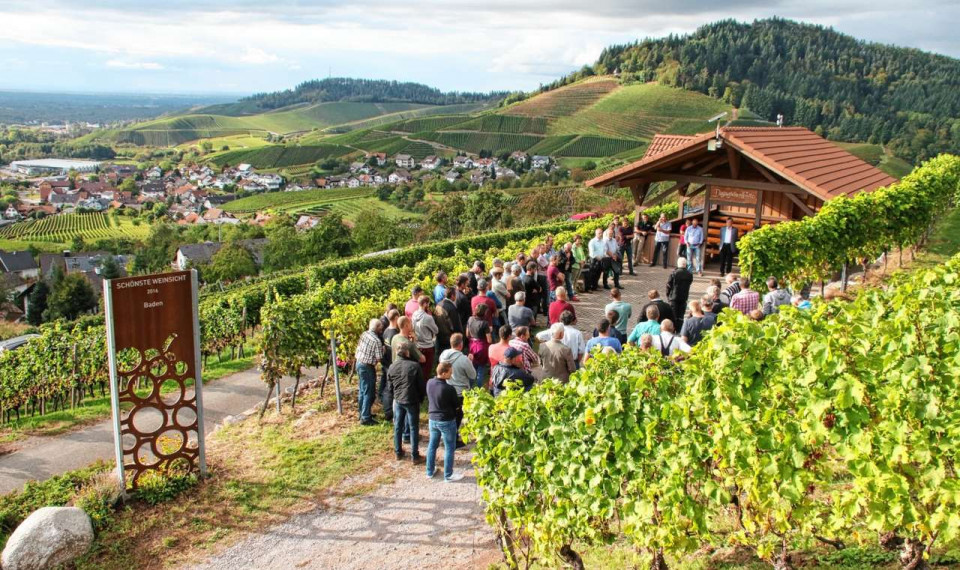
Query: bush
x,y
849,229
57,491
837,422
98,498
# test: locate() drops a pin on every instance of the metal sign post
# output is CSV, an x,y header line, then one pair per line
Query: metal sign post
x,y
336,373
153,337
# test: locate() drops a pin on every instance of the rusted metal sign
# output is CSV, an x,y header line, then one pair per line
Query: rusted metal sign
x,y
153,338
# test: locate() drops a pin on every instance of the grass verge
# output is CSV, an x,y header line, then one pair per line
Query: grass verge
x,y
261,473
944,242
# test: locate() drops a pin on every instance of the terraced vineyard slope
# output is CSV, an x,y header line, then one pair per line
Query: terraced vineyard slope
x,y
594,118
61,229
294,201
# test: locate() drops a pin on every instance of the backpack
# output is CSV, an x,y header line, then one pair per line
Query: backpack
x,y
665,349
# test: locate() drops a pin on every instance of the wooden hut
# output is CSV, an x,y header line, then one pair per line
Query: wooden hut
x,y
755,175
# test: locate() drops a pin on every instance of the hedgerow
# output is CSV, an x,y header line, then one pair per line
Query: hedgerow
x,y
849,229
836,424
56,370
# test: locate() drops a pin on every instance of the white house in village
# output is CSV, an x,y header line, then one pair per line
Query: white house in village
x,y
430,163
539,161
405,161
452,176
399,176
463,162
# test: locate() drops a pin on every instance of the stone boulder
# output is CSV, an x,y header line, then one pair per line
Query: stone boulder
x,y
50,536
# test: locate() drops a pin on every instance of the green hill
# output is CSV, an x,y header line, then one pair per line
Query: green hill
x,y
591,119
902,98
172,131
594,118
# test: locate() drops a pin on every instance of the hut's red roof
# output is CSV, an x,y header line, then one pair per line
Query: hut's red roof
x,y
795,153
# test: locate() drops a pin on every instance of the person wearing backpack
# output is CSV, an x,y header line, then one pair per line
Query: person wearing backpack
x,y
667,342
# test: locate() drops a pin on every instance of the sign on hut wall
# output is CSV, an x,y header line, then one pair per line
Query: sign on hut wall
x,y
153,337
727,195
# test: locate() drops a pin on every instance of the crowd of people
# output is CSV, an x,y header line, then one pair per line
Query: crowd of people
x,y
478,330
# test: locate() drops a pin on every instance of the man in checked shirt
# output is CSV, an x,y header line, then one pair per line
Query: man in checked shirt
x,y
746,300
370,350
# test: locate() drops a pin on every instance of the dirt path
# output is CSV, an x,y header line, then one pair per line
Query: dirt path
x,y
412,522
40,457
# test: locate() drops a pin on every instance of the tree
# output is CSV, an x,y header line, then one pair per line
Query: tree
x,y
485,210
71,297
283,250
330,238
374,231
37,303
445,219
129,185
77,243
232,262
110,269
158,250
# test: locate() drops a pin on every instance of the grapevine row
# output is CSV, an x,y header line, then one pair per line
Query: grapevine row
x,y
836,425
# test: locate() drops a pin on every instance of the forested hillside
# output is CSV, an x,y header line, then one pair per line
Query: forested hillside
x,y
358,90
844,88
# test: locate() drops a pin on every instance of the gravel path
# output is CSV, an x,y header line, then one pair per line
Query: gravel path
x,y
43,457
413,522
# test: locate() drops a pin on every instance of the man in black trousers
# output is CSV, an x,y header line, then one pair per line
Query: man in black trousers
x,y
728,246
678,290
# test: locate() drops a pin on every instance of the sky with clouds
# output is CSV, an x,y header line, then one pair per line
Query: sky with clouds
x,y
245,46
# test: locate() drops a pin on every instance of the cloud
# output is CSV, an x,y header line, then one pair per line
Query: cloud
x,y
140,65
257,56
468,45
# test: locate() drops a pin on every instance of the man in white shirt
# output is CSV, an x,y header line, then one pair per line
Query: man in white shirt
x,y
662,240
668,342
597,253
694,238
572,337
611,257
728,246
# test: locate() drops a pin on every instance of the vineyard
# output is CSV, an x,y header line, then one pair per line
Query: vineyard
x,y
279,156
565,100
389,120
475,141
428,123
351,209
172,131
63,228
503,124
834,426
64,361
593,118
288,201
597,146
550,145
397,145
641,111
